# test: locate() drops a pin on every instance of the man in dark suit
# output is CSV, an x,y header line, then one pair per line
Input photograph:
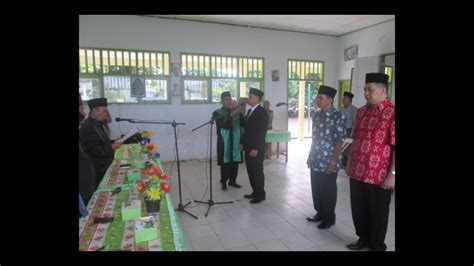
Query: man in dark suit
x,y
254,145
87,181
94,139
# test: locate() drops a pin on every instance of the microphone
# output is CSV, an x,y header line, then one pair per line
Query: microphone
x,y
280,104
118,119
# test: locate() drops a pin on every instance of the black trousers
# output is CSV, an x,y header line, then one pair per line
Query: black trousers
x,y
255,172
324,190
370,208
229,172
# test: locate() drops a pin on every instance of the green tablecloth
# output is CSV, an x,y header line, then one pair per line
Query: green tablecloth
x,y
119,235
277,136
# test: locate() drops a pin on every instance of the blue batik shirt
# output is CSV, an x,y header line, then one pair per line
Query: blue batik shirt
x,y
328,128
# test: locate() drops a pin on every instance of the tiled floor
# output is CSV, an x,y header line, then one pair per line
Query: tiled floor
x,y
277,224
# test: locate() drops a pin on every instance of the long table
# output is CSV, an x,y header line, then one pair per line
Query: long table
x,y
120,235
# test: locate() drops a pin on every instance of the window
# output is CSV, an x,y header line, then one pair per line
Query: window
x,y
117,89
309,72
109,73
205,77
89,88
195,90
246,85
221,85
156,90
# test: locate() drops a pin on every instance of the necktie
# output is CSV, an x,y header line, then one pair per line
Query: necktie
x,y
248,114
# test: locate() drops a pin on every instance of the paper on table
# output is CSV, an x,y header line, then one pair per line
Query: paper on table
x,y
129,134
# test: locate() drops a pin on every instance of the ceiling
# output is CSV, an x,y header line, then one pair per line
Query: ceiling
x,y
334,25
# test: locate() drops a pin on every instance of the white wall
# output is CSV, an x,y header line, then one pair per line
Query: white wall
x,y
134,32
373,41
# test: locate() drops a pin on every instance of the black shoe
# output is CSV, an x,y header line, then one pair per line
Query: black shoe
x,y
257,200
357,245
224,187
315,218
325,225
235,185
249,196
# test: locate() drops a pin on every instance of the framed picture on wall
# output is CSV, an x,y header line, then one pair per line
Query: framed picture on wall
x,y
351,52
275,75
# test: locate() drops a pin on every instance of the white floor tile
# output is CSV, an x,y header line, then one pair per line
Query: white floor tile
x,y
271,245
233,239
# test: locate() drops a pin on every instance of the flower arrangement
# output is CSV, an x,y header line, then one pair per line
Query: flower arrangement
x,y
155,186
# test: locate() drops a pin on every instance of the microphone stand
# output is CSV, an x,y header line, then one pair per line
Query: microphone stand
x,y
173,124
211,202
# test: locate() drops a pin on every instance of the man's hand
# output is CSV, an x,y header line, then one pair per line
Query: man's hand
x,y
330,168
253,153
116,145
389,182
241,147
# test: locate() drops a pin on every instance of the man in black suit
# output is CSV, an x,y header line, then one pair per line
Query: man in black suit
x,y
95,141
254,145
87,181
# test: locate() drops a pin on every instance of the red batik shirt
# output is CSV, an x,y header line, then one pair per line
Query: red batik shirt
x,y
374,141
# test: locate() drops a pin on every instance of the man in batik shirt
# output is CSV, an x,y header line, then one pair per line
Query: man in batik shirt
x,y
371,165
324,159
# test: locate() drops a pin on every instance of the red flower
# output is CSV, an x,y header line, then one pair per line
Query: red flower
x,y
165,187
140,186
153,171
149,146
165,177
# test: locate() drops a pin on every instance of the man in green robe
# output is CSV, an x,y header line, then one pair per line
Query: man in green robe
x,y
229,123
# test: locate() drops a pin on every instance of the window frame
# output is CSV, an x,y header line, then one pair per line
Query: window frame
x,y
211,77
100,74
